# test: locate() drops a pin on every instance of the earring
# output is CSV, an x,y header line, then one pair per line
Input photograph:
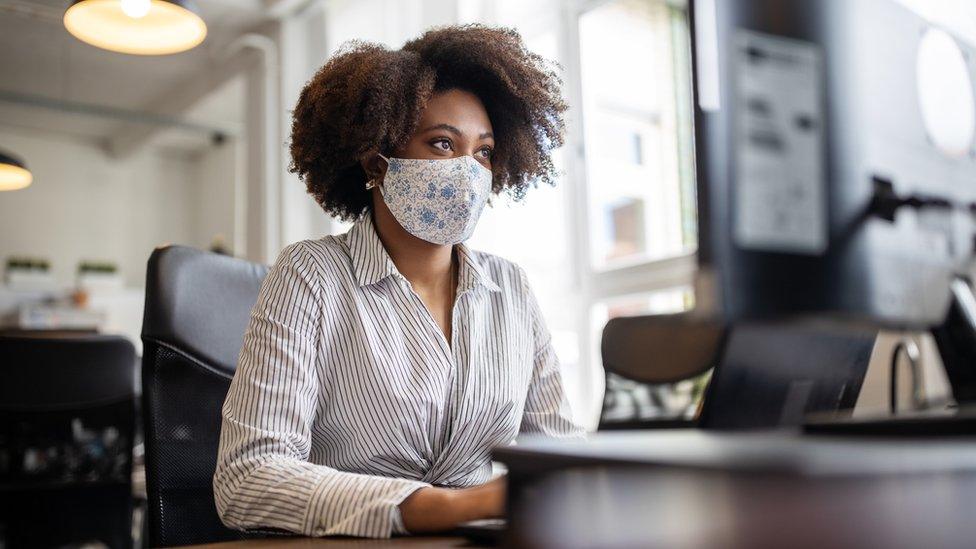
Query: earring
x,y
370,184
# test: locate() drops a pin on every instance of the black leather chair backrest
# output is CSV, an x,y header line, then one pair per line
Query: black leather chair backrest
x,y
679,347
197,309
67,423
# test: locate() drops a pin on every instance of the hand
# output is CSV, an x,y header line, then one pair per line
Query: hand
x,y
435,509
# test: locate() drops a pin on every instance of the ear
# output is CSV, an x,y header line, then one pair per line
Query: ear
x,y
373,165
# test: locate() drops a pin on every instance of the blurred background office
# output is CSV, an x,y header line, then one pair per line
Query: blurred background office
x,y
129,151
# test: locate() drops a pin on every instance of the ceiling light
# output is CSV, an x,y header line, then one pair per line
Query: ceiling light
x,y
13,173
141,27
136,8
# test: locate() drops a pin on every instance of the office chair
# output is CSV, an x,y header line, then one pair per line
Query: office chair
x,y
644,354
197,309
763,374
67,421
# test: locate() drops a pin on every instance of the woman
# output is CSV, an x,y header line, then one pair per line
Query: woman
x,y
381,366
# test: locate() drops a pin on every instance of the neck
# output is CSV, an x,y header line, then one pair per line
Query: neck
x,y
423,263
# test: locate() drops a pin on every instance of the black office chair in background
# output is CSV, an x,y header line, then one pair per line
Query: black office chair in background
x,y
67,423
197,308
643,357
763,375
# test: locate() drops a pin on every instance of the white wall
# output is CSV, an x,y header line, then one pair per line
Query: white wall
x,y
217,206
85,205
302,51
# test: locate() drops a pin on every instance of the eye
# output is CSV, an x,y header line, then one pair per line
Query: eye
x,y
442,144
485,151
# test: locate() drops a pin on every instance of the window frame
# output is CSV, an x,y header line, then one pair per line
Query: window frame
x,y
594,285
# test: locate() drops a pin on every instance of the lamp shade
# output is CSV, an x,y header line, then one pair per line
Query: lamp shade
x,y
140,27
13,173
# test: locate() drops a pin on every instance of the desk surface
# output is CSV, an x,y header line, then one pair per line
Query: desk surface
x,y
612,507
435,542
692,489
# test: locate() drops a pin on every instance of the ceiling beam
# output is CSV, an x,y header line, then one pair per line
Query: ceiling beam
x,y
178,99
106,111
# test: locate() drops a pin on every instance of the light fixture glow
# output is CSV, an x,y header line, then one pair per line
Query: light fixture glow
x,y
167,26
136,8
13,173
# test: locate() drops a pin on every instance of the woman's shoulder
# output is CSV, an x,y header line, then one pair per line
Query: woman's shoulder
x,y
327,255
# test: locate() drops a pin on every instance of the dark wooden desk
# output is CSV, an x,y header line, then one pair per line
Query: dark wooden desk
x,y
434,542
692,488
621,507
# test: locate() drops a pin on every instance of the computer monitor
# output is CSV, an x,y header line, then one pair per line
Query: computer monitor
x,y
836,162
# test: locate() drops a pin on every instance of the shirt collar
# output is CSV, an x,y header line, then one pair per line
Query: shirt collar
x,y
471,273
372,263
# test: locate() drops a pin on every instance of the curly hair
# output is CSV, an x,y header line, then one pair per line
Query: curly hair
x,y
370,98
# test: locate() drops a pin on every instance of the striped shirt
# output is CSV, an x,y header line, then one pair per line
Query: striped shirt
x,y
348,397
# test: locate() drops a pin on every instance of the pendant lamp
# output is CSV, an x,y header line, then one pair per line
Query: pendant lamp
x,y
13,173
140,27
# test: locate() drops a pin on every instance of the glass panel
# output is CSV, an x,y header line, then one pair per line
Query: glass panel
x,y
634,63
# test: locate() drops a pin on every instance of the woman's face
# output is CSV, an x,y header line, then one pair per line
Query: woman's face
x,y
455,123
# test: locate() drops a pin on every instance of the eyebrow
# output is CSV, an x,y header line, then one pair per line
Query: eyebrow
x,y
456,131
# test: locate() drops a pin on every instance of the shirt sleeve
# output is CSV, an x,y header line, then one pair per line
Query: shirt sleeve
x,y
547,410
263,477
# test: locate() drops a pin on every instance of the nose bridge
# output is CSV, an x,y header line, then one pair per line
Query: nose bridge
x,y
474,166
461,153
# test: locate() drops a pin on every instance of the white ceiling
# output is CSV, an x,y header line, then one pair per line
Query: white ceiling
x,y
222,108
39,59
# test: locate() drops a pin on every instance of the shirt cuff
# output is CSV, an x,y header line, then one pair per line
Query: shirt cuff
x,y
353,504
396,518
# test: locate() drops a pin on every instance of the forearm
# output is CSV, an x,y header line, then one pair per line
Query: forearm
x,y
437,509
261,482
310,499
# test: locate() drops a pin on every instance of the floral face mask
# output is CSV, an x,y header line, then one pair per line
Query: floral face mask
x,y
440,200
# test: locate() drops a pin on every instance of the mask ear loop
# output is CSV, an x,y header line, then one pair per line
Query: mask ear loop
x,y
372,182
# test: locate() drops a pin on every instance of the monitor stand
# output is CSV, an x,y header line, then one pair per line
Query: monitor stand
x,y
956,341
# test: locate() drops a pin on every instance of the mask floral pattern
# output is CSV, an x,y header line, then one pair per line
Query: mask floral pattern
x,y
439,201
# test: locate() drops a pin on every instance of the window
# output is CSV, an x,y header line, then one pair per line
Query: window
x,y
633,78
636,190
